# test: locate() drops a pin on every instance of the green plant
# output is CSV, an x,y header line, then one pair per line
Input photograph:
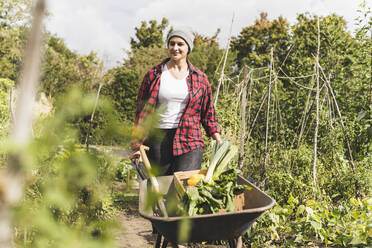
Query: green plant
x,y
295,224
67,200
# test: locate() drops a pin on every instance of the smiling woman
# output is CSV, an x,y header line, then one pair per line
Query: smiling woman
x,y
182,96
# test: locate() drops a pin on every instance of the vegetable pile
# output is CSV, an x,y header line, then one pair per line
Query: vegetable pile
x,y
216,192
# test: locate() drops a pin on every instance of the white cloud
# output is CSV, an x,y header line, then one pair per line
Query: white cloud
x,y
91,25
106,26
204,17
208,15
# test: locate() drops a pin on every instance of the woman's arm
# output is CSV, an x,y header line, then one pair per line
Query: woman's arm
x,y
208,115
137,132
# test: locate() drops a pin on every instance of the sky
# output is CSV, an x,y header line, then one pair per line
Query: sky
x,y
106,26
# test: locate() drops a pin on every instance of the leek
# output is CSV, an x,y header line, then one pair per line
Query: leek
x,y
230,154
222,153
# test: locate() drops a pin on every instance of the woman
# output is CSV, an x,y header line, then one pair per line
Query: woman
x,y
182,95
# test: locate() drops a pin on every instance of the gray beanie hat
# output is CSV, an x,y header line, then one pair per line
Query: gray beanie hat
x,y
184,33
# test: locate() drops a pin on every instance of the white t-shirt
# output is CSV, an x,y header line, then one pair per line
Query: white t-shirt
x,y
173,98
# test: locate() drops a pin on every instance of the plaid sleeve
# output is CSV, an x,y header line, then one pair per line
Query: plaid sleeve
x,y
208,114
142,96
137,136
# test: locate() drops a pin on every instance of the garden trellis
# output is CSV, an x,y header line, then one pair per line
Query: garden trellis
x,y
319,84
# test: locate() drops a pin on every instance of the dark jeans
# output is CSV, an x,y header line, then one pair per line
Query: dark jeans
x,y
161,154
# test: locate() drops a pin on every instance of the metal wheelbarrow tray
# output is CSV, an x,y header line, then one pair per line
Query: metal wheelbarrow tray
x,y
207,227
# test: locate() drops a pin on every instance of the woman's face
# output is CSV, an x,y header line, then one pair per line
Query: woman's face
x,y
177,48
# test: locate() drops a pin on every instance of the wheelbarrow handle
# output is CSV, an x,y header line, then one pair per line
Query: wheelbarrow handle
x,y
153,180
145,160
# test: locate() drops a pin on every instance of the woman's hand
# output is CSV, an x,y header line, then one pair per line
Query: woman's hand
x,y
217,137
136,156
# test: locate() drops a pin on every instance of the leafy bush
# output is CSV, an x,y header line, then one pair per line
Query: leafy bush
x,y
311,223
67,201
5,85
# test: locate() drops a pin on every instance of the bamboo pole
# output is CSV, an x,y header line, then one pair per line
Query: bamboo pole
x,y
250,97
340,116
11,180
268,109
11,106
243,111
92,116
316,106
306,113
329,105
222,76
98,75
256,116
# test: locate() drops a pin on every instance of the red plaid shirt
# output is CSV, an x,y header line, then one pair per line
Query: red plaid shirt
x,y
199,109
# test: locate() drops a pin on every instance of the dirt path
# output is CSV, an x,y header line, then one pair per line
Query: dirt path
x,y
135,231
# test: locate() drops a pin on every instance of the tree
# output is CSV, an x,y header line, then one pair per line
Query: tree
x,y
63,69
14,12
148,35
12,41
340,61
254,43
207,56
127,79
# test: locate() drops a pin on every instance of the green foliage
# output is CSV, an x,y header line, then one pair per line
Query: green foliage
x,y
63,69
5,85
288,173
11,46
309,222
67,201
125,171
149,35
14,12
254,43
208,57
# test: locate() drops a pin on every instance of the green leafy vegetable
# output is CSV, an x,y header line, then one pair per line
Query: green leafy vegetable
x,y
208,198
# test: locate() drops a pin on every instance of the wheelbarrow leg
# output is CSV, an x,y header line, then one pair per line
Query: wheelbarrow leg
x,y
159,244
165,243
232,243
236,243
158,240
239,242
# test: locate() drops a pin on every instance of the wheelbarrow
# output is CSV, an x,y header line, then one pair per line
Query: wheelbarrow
x,y
229,226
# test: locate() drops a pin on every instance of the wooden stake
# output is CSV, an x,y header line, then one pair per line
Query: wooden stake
x,y
340,116
317,107
268,109
11,107
242,111
222,76
92,116
329,105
